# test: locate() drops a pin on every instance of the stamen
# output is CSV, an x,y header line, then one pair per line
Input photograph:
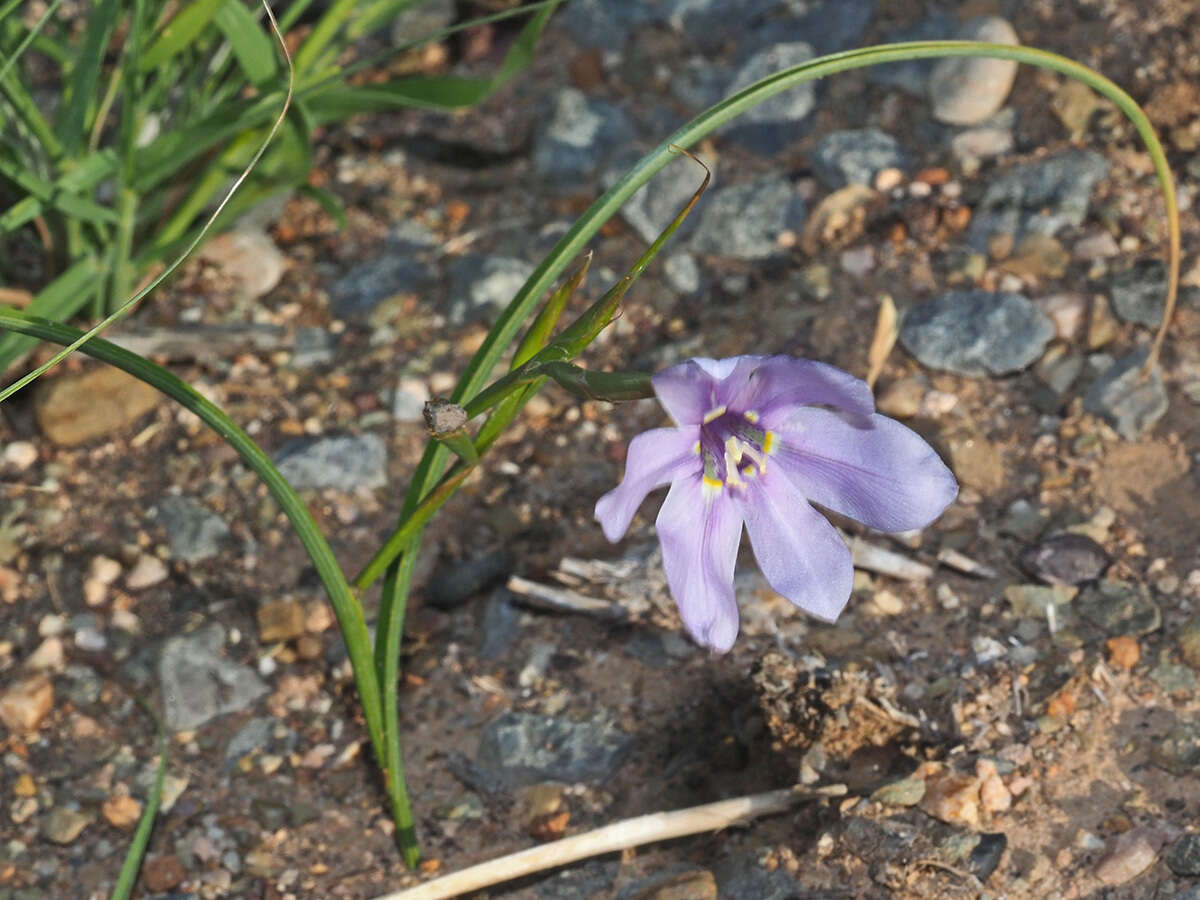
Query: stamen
x,y
710,487
750,416
696,448
760,459
713,414
733,447
732,457
768,442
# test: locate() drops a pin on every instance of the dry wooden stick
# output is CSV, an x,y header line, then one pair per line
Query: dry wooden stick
x,y
660,826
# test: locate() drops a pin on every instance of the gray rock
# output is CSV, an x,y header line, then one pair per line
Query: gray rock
x,y
742,877
768,127
825,26
745,220
912,76
1127,402
344,462
698,83
1184,856
523,748
484,284
855,156
1177,751
1041,197
582,133
966,90
1139,294
312,347
976,332
194,532
1174,678
369,283
1119,608
408,400
1065,559
682,274
678,880
198,683
991,138
254,735
707,21
501,625
602,23
452,586
654,205
594,878
983,860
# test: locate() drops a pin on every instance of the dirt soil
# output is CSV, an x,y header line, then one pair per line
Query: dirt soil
x,y
987,748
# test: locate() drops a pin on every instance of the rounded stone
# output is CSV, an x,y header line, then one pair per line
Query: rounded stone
x,y
967,90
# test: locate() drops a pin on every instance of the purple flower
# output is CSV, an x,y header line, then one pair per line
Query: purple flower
x,y
757,439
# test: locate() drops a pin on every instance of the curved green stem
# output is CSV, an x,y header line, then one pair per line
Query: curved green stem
x,y
345,604
394,600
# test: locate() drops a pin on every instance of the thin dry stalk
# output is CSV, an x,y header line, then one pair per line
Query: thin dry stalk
x,y
662,826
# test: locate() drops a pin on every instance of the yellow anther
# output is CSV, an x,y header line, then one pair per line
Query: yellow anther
x,y
768,442
711,485
696,448
750,416
714,414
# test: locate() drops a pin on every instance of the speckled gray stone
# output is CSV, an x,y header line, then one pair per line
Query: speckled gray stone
x,y
194,532
1127,402
342,462
199,683
745,221
1043,197
856,156
976,332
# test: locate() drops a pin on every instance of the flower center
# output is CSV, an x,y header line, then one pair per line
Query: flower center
x,y
734,448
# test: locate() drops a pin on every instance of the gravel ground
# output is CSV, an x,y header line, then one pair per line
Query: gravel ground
x,y
1010,700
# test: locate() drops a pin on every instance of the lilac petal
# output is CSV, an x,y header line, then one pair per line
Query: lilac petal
x,y
686,392
800,553
654,458
699,539
721,369
873,469
780,384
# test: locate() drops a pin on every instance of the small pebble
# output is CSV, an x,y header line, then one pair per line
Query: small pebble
x,y
953,799
1127,857
905,792
146,572
26,703
121,811
1123,652
20,455
63,825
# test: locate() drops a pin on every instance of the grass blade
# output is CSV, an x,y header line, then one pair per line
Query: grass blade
x,y
141,835
435,92
251,47
54,196
93,169
175,264
60,299
83,80
179,33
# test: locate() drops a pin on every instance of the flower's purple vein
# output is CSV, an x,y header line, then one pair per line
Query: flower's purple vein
x,y
756,439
